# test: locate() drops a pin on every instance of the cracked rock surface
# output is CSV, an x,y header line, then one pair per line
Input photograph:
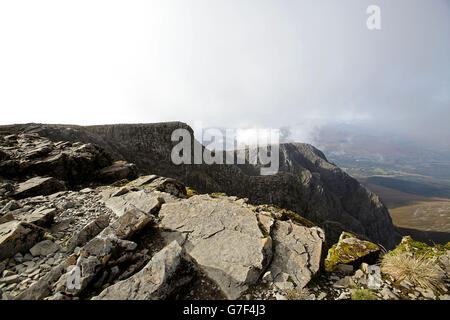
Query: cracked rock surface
x,y
224,237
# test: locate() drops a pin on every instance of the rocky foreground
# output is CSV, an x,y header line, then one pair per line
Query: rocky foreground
x,y
76,225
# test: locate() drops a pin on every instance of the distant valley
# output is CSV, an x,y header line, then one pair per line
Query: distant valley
x,y
412,178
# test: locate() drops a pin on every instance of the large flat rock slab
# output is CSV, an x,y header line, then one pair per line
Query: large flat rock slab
x,y
142,200
223,238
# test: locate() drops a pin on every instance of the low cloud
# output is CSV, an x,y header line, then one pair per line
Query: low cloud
x,y
295,65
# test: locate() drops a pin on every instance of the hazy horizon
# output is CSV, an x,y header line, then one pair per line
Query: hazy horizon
x,y
301,66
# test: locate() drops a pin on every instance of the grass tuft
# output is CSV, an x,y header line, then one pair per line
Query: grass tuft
x,y
419,270
363,294
298,294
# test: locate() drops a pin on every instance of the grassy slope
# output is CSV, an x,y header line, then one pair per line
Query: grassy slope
x,y
427,219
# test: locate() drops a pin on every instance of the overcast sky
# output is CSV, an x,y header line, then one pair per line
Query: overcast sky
x,y
228,63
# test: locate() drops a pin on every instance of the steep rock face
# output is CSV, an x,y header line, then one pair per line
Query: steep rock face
x,y
359,208
306,182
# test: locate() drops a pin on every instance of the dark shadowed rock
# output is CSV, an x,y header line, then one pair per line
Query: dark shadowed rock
x,y
157,280
4,155
118,171
10,206
168,185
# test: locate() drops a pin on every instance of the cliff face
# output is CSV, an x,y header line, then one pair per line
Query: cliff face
x,y
306,182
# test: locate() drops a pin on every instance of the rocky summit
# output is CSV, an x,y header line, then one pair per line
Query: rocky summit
x,y
80,220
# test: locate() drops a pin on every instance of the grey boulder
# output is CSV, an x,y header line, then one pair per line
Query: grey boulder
x,y
118,171
38,186
41,217
297,251
157,280
44,248
142,200
18,236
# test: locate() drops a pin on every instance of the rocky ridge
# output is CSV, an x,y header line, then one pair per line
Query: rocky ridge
x,y
155,238
306,182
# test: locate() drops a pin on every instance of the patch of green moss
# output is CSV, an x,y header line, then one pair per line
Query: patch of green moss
x,y
285,215
332,259
191,192
419,248
343,252
152,186
364,294
292,281
218,194
346,235
131,182
66,239
290,215
49,236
